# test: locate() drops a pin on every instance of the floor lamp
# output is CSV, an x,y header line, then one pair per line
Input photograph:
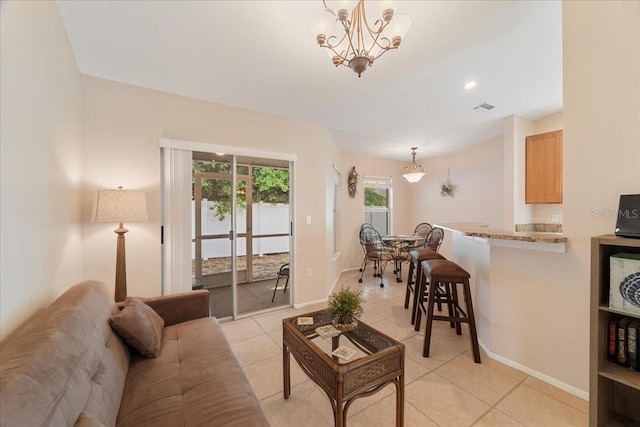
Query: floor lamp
x,y
120,206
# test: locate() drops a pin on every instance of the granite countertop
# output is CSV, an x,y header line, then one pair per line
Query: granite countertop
x,y
477,230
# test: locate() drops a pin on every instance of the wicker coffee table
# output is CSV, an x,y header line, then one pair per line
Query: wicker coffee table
x,y
379,361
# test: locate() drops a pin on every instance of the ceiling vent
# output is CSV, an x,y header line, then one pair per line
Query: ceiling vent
x,y
483,107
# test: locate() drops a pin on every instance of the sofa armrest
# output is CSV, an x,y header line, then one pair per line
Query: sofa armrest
x,y
178,308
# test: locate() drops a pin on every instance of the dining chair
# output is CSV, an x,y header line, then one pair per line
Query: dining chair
x,y
374,251
364,258
423,229
283,272
434,239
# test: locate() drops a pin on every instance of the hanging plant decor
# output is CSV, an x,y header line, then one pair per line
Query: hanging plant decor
x,y
353,182
447,188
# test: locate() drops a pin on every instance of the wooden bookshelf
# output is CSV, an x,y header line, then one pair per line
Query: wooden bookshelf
x,y
614,391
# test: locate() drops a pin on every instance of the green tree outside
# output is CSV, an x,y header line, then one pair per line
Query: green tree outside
x,y
270,185
375,196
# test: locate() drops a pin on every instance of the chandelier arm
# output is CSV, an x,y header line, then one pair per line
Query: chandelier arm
x,y
327,8
384,50
329,45
384,47
349,36
375,36
356,27
339,55
382,24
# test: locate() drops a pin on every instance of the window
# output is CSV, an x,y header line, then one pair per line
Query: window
x,y
378,203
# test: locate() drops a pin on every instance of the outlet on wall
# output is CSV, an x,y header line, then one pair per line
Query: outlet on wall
x,y
308,271
555,218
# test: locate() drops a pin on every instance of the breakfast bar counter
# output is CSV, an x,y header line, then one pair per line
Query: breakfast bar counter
x,y
482,230
548,242
520,299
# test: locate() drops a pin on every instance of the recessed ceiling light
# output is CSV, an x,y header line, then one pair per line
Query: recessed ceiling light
x,y
469,85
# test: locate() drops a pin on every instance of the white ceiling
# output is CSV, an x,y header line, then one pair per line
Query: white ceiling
x,y
261,55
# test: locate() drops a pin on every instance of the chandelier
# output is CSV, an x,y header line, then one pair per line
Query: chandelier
x,y
358,43
415,172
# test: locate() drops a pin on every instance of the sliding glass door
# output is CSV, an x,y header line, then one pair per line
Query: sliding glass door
x,y
241,232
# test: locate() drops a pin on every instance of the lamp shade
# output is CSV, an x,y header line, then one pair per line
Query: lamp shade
x,y
322,24
398,26
120,206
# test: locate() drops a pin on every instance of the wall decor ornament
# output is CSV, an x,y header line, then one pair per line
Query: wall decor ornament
x,y
447,188
353,182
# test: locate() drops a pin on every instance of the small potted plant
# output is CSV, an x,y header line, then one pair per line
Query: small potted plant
x,y
345,307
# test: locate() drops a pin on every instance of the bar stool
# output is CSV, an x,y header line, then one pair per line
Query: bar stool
x,y
443,285
413,285
441,296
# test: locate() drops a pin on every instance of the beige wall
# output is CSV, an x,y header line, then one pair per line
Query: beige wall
x,y
548,123
517,211
121,127
601,145
40,140
478,174
351,210
545,296
544,212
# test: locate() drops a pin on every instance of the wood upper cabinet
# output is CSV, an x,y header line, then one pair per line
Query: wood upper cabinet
x,y
544,168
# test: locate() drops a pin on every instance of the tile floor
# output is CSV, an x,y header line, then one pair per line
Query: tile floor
x,y
446,389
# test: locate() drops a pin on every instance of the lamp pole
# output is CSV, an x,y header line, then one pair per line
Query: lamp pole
x,y
121,265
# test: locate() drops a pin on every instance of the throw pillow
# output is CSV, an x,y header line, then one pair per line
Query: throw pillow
x,y
139,326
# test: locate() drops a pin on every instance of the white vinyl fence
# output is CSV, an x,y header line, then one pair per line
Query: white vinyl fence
x,y
267,219
378,217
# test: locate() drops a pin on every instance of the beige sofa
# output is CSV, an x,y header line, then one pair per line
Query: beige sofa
x,y
65,366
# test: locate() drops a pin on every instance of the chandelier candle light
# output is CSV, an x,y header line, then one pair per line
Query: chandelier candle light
x,y
415,172
358,42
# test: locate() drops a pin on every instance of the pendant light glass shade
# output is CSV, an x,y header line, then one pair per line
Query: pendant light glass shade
x,y
415,171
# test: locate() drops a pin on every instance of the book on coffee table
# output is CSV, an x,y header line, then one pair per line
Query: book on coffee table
x,y
327,331
305,320
343,352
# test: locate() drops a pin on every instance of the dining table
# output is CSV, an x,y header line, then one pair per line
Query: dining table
x,y
400,245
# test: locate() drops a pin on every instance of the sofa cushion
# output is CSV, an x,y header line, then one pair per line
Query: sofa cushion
x,y
196,380
108,382
87,420
139,326
62,360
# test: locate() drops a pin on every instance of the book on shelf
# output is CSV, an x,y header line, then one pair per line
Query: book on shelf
x,y
622,341
612,332
633,331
